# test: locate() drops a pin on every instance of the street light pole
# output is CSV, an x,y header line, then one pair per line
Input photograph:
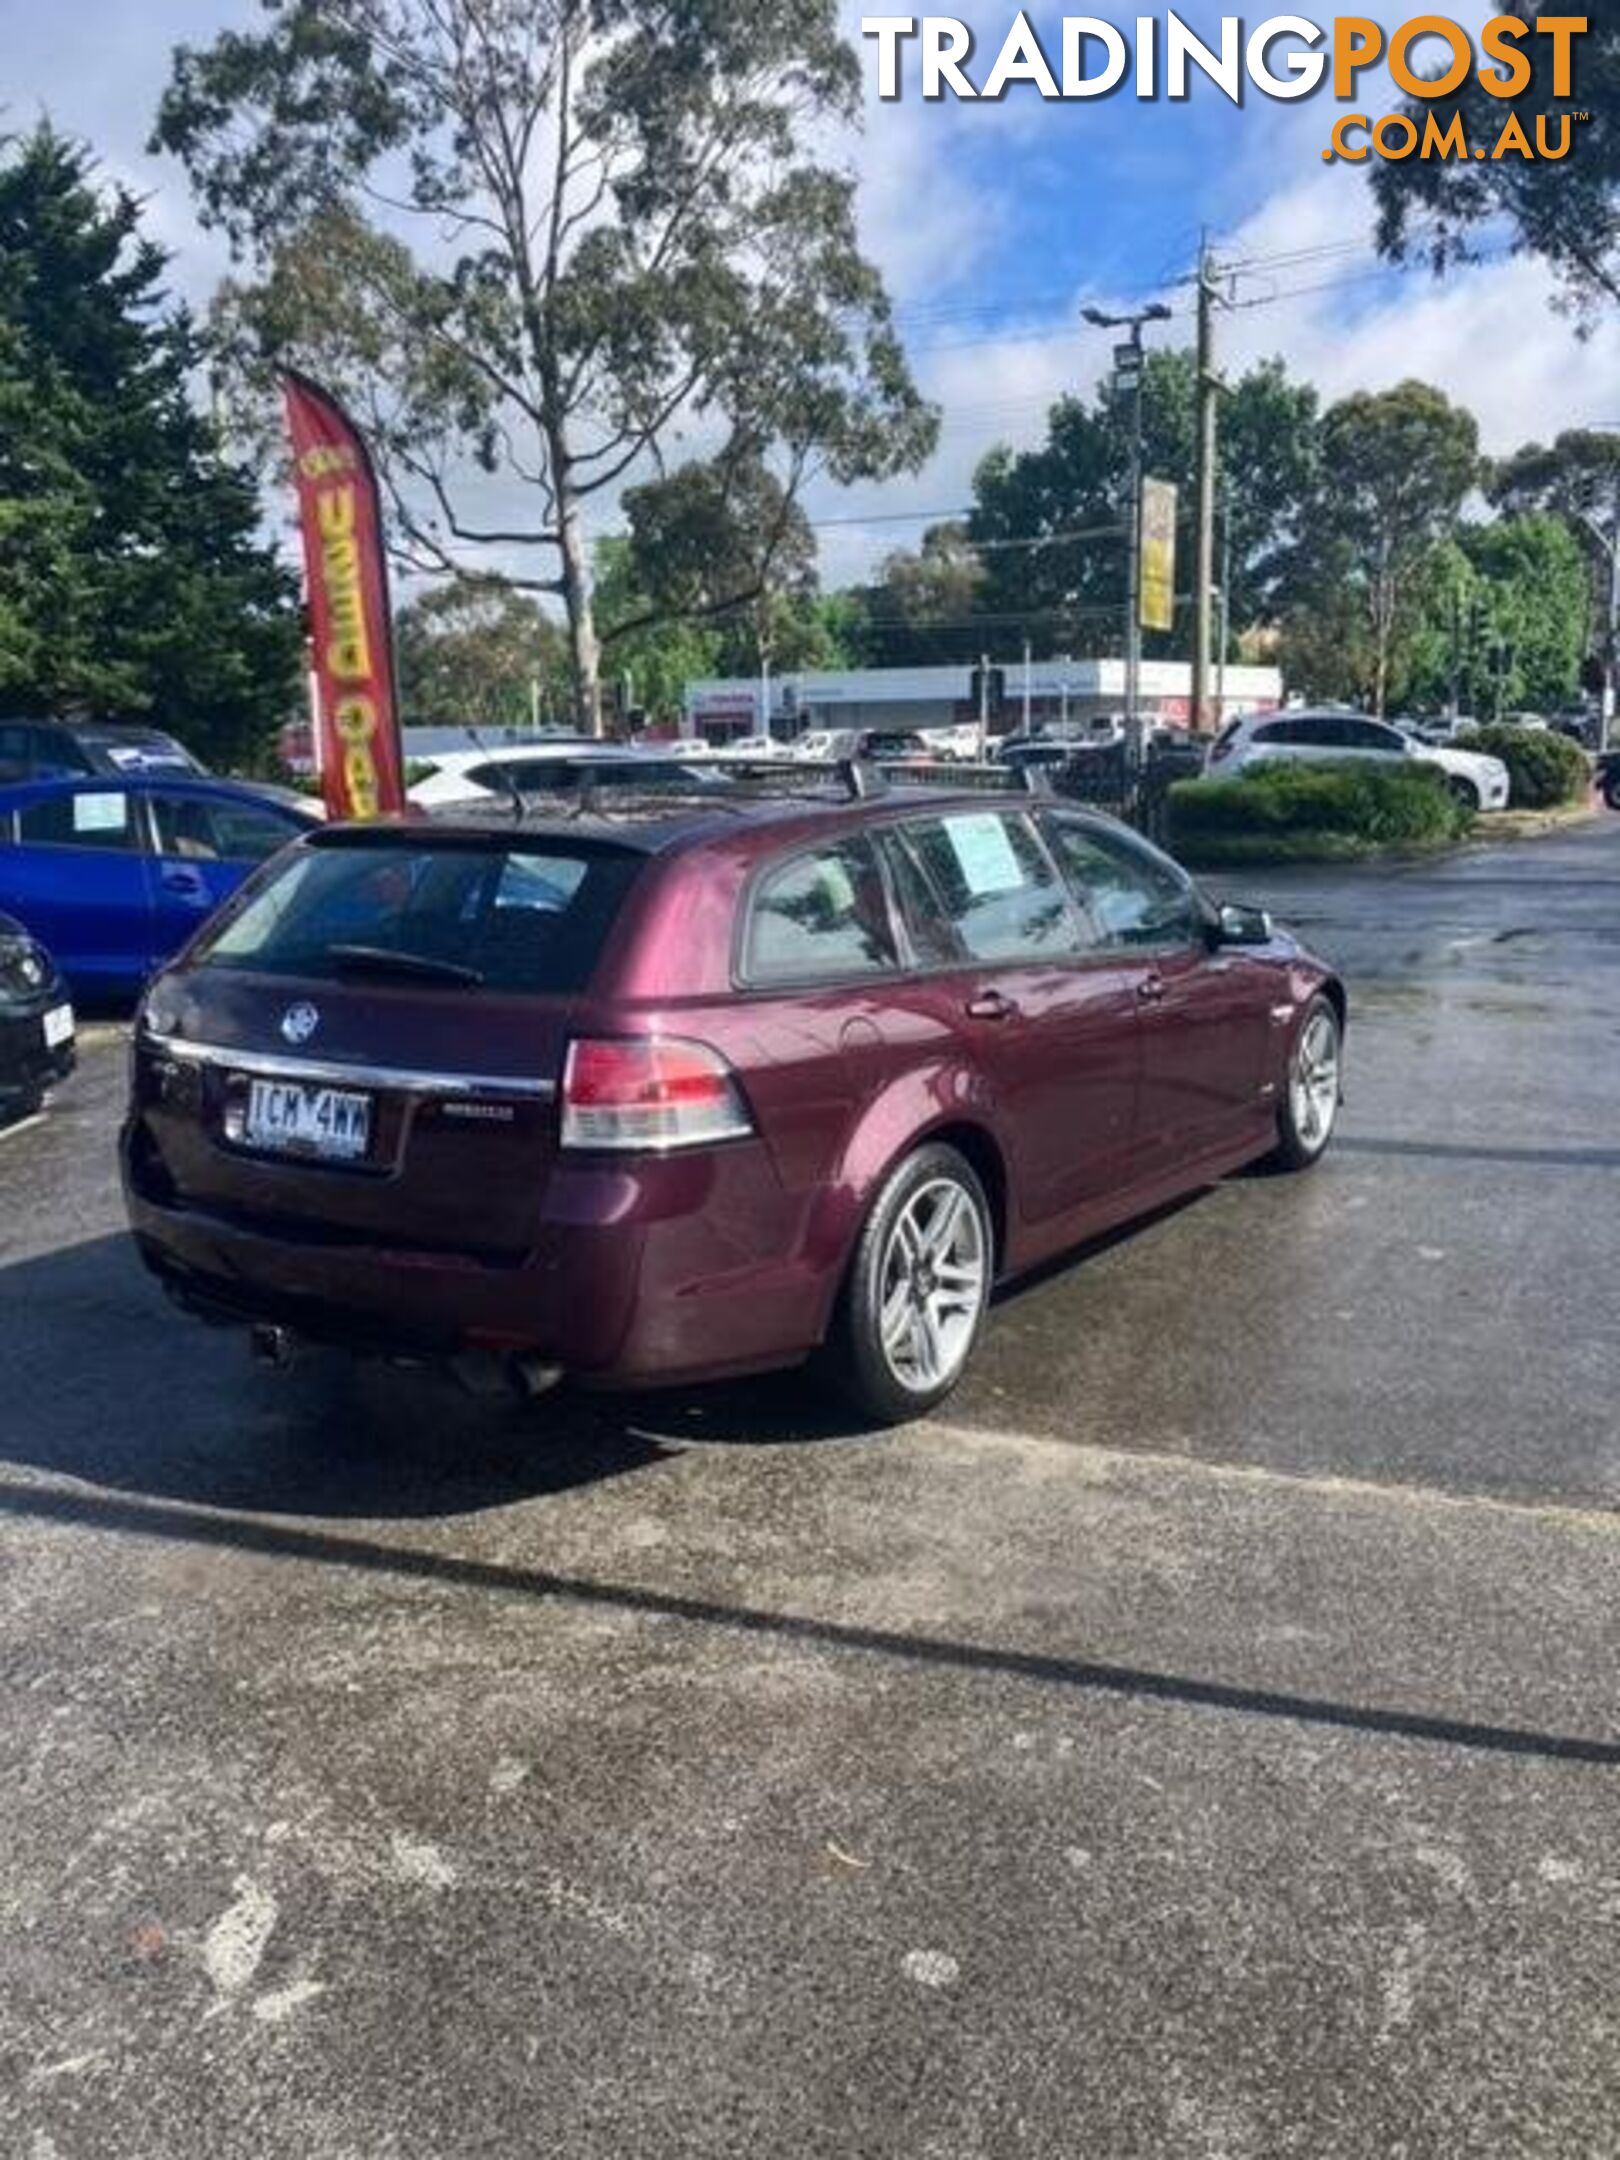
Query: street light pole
x,y
1128,365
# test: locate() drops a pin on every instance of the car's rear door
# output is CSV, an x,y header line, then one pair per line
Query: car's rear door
x,y
77,876
1050,1024
1204,1012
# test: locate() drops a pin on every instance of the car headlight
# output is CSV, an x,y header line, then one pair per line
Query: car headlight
x,y
24,970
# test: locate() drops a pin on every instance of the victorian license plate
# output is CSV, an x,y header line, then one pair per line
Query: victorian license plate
x,y
293,1119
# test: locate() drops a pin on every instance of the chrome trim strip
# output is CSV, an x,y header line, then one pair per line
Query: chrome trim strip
x,y
402,1080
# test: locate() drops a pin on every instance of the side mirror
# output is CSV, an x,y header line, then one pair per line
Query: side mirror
x,y
1236,925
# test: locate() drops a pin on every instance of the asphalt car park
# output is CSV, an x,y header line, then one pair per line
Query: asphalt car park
x,y
1201,1739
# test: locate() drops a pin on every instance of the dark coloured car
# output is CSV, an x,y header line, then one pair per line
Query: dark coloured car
x,y
893,746
114,875
65,749
36,1023
706,1092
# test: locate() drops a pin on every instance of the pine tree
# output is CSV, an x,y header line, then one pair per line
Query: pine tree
x,y
133,579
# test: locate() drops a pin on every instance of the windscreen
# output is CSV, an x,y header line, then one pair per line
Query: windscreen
x,y
526,917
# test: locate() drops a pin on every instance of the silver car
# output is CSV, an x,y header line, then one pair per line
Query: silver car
x,y
1329,736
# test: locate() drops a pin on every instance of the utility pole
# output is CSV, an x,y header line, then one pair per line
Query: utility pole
x,y
984,708
1609,541
1128,365
1226,604
1209,390
1026,685
1454,704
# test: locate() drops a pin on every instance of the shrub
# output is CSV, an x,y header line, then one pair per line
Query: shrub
x,y
1544,768
1293,811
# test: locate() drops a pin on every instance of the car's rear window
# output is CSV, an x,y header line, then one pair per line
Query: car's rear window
x,y
524,917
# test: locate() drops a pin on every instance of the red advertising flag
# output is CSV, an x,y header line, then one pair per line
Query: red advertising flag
x,y
356,712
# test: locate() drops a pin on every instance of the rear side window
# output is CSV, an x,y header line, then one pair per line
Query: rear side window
x,y
94,818
990,880
58,756
16,751
1373,735
518,918
820,917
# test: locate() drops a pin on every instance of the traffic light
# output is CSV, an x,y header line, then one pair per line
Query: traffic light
x,y
990,698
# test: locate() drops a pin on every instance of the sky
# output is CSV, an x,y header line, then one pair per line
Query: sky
x,y
994,224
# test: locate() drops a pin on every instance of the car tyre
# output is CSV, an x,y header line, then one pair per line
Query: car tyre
x,y
1312,1088
914,1301
24,1103
1611,791
1465,792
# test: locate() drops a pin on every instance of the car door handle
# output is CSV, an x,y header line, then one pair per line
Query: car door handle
x,y
990,1005
184,884
1150,989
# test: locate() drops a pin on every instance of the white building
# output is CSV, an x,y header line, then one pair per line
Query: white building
x,y
932,697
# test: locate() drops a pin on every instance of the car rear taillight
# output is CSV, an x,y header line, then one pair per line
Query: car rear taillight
x,y
652,1092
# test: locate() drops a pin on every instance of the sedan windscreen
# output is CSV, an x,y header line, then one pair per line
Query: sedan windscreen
x,y
524,917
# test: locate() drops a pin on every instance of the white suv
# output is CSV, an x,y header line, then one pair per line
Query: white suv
x,y
1329,737
460,779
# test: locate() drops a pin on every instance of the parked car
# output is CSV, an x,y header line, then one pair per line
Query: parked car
x,y
1035,752
1608,778
893,746
36,1023
826,745
53,749
1478,780
460,778
957,744
712,1092
115,875
755,747
1579,726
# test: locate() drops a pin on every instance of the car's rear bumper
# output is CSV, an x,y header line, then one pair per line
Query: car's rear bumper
x,y
680,1268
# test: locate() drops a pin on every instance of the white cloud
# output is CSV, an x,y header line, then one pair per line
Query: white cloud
x,y
1489,336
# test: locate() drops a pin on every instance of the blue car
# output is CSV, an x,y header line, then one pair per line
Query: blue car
x,y
114,874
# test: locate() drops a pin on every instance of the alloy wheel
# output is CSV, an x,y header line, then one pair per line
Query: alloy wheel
x,y
1313,1082
932,1285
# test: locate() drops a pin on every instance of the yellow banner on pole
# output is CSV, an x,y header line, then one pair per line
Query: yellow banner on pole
x,y
1157,582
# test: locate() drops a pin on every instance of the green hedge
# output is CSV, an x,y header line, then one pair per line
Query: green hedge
x,y
1544,768
1291,811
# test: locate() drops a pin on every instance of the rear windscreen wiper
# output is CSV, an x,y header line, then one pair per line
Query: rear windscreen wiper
x,y
379,960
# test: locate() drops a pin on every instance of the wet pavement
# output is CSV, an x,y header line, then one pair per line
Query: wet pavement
x,y
1204,1741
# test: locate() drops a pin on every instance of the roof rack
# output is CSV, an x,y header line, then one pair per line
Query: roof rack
x,y
862,778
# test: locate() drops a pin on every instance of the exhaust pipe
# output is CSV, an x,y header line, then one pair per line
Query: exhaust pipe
x,y
533,1377
487,1374
271,1345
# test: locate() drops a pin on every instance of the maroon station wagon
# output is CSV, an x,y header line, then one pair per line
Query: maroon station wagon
x,y
705,1091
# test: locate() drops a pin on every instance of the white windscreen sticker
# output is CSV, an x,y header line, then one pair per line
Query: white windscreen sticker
x,y
984,854
100,813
